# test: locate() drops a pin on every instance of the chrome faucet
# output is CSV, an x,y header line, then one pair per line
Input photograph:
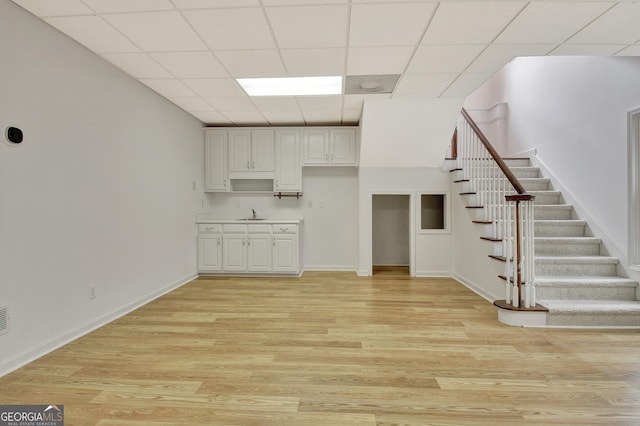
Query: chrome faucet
x,y
255,216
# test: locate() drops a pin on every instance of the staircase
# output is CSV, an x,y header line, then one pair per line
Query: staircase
x,y
575,280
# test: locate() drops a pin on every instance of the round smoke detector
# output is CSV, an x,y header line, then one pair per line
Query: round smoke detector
x,y
371,85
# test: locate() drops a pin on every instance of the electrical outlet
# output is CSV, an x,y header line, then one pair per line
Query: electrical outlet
x,y
322,204
310,204
92,291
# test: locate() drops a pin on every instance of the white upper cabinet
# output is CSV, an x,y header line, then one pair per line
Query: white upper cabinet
x,y
330,146
216,173
251,150
288,176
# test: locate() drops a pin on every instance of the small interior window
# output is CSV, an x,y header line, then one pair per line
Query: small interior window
x,y
432,211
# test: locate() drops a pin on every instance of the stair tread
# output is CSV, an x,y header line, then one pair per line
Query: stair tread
x,y
584,280
569,240
616,307
576,259
560,221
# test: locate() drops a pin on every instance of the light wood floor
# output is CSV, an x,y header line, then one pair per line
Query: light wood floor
x,y
333,349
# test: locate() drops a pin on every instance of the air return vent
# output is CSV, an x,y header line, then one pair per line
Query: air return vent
x,y
4,319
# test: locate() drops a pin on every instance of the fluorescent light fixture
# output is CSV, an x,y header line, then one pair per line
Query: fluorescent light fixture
x,y
291,86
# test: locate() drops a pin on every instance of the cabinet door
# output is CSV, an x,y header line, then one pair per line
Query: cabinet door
x,y
343,146
239,150
210,252
215,163
288,167
262,150
235,253
285,253
259,253
316,146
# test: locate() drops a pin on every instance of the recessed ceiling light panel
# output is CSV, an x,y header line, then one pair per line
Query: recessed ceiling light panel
x,y
292,86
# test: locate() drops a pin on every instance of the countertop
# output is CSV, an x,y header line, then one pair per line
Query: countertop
x,y
205,218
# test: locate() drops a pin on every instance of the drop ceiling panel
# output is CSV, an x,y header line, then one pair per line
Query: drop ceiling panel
x,y
309,26
157,31
284,117
47,8
498,55
232,103
229,29
317,103
212,4
192,104
551,22
300,2
276,103
211,117
351,116
317,117
389,24
587,49
378,60
633,50
621,24
252,63
94,33
314,62
420,85
191,64
169,88
246,118
118,6
438,58
213,87
465,84
470,22
138,65
355,102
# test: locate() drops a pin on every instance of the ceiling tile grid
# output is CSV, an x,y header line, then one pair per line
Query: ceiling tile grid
x,y
191,51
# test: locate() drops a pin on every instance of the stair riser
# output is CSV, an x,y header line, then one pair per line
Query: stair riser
x,y
520,162
568,249
547,199
585,293
570,269
554,230
590,320
547,213
534,185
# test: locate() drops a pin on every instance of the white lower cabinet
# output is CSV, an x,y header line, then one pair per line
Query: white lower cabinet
x,y
210,248
237,248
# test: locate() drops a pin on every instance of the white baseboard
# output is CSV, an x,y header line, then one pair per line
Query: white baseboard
x,y
339,268
46,347
434,274
477,290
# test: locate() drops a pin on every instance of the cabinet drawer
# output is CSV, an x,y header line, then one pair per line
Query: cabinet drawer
x,y
287,228
209,228
259,229
230,228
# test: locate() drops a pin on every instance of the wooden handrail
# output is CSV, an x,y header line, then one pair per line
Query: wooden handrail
x,y
496,157
454,144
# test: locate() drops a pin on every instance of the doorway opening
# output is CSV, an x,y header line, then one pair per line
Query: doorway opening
x,y
391,234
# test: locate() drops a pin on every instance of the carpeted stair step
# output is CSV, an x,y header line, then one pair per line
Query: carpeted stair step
x,y
592,313
535,184
553,212
567,246
517,162
525,172
546,197
559,228
585,288
563,266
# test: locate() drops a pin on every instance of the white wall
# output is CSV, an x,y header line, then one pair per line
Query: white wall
x,y
573,111
330,227
407,132
402,148
100,192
